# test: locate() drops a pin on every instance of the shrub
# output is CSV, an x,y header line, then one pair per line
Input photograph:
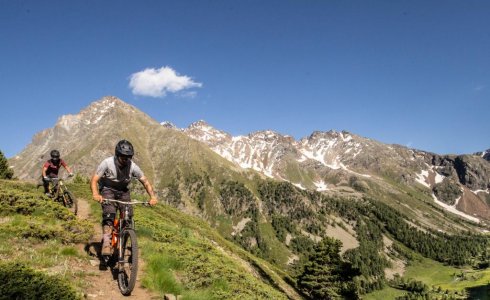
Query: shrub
x,y
18,281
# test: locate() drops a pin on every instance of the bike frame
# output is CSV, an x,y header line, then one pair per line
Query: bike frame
x,y
123,231
56,186
123,222
61,194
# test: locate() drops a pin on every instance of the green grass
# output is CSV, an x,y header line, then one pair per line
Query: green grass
x,y
186,256
69,251
183,254
40,234
296,175
386,293
164,267
277,250
436,274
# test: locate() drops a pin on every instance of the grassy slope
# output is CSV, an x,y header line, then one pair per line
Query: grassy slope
x,y
184,255
436,274
36,232
417,203
386,293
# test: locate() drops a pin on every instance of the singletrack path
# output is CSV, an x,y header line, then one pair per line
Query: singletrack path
x,y
102,283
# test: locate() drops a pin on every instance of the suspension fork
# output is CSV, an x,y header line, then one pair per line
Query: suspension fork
x,y
125,223
122,229
120,258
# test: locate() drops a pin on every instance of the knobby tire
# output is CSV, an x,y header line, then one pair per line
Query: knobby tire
x,y
129,269
70,202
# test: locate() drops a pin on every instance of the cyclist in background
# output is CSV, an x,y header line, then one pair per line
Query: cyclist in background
x,y
51,169
110,181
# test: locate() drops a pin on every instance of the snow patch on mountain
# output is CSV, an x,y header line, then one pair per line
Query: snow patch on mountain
x,y
264,151
68,121
320,186
346,138
319,156
487,191
98,110
168,124
302,158
454,210
298,185
424,176
207,132
439,178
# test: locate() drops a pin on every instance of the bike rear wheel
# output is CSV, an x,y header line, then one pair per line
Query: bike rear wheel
x,y
70,202
128,264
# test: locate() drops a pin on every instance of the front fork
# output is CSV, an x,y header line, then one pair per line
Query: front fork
x,y
120,258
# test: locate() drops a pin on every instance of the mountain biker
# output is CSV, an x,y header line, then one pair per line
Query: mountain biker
x,y
111,180
51,169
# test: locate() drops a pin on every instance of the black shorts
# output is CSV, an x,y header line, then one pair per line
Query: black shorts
x,y
115,195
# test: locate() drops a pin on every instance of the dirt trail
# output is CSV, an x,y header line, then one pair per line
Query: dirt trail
x,y
103,283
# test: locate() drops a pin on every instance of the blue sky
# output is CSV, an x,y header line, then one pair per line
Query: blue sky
x,y
415,73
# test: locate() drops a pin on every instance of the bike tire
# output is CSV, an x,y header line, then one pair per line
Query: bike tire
x,y
70,202
128,267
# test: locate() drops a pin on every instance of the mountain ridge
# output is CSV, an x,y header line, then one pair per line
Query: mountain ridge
x,y
277,197
324,160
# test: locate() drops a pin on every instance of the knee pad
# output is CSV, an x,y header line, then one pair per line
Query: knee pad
x,y
108,218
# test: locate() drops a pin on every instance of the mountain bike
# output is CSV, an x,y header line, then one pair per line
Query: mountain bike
x,y
125,246
61,194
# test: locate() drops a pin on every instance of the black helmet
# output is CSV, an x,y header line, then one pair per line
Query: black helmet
x,y
55,154
125,148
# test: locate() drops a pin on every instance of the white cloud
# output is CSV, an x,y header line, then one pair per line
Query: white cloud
x,y
158,82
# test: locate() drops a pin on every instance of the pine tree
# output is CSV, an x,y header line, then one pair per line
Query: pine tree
x,y
326,276
5,171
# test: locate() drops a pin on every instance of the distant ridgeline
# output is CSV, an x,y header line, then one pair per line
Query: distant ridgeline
x,y
291,202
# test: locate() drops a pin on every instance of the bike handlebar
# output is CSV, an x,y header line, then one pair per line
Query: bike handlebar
x,y
131,202
57,178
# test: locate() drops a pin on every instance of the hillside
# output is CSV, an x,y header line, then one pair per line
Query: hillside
x,y
330,161
183,255
289,202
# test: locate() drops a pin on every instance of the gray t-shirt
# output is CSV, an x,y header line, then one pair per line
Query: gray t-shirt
x,y
108,173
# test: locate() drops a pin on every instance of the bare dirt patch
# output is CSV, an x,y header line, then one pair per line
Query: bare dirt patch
x,y
397,265
348,240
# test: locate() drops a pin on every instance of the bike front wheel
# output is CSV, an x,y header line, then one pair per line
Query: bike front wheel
x,y
128,262
70,202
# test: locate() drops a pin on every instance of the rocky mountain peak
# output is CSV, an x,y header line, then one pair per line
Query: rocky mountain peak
x,y
168,124
330,135
200,124
100,109
105,103
269,136
486,155
204,132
